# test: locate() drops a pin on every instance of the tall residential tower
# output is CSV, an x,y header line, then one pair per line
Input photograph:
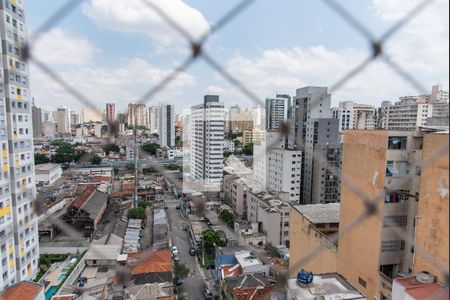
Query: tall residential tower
x,y
18,222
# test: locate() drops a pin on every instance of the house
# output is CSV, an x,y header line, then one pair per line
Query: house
x,y
102,255
326,286
24,290
153,267
87,210
248,287
47,174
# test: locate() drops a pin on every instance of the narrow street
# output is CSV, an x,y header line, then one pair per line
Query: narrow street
x,y
193,285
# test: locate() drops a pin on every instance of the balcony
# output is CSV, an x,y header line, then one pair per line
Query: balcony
x,y
386,285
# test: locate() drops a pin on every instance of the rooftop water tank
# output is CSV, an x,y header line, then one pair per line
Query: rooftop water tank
x,y
425,278
304,277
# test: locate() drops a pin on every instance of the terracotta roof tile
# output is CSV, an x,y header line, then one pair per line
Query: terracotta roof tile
x,y
83,197
23,291
157,262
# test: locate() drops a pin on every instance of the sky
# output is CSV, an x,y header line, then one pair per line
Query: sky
x,y
116,50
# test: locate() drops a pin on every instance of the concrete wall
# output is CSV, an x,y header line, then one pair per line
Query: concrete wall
x,y
364,169
304,239
432,243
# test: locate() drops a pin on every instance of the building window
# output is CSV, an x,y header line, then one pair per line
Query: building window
x,y
397,142
362,282
392,246
395,221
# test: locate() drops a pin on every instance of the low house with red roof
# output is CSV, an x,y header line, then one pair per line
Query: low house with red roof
x,y
422,287
154,267
24,290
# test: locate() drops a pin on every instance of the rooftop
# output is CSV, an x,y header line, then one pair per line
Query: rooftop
x,y
247,281
421,291
103,252
326,287
320,213
156,262
246,259
23,290
46,167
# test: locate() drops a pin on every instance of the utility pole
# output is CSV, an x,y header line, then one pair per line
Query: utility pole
x,y
136,153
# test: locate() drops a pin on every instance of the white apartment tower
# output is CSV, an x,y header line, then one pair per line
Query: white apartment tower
x,y
355,116
138,115
153,119
19,248
277,111
284,172
207,125
166,119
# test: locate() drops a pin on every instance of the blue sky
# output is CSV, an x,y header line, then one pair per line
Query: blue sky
x,y
113,50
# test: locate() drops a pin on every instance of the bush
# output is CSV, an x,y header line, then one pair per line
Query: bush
x,y
136,213
143,204
151,148
227,217
172,167
149,171
111,148
40,159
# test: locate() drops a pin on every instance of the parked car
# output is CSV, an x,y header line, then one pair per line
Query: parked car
x,y
207,294
176,257
192,251
178,281
178,206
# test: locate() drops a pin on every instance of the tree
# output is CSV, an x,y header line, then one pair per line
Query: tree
x,y
151,148
227,217
149,170
65,153
172,167
181,270
237,143
211,239
129,167
248,149
143,204
136,213
111,148
96,160
40,159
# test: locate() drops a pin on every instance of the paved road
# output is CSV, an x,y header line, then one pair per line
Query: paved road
x,y
193,285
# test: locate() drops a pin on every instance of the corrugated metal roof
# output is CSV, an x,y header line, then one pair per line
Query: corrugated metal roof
x,y
95,204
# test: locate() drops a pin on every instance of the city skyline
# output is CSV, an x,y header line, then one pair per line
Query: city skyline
x,y
255,59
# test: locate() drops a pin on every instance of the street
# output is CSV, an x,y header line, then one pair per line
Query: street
x,y
193,285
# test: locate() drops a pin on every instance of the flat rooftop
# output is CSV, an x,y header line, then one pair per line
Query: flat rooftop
x,y
327,287
46,167
320,213
246,259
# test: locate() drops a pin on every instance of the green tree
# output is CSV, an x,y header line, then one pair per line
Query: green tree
x,y
149,170
40,158
248,149
181,270
212,238
143,204
172,167
150,148
129,167
136,213
111,148
96,160
65,153
227,217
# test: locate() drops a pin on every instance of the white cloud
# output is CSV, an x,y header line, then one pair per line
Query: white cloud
x,y
421,48
135,16
122,84
57,47
214,90
73,59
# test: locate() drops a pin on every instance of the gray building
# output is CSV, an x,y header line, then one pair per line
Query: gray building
x,y
37,121
166,128
316,133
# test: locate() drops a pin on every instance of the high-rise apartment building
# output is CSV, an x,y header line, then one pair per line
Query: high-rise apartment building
x,y
92,114
354,116
110,113
166,118
153,119
259,118
277,111
388,166
138,115
18,221
284,171
75,118
316,134
37,121
63,117
207,121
